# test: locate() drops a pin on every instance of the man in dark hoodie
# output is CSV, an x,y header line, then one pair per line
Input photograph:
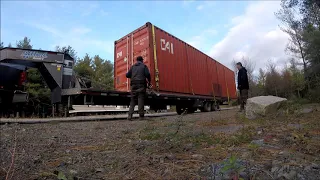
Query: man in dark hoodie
x,y
138,74
243,85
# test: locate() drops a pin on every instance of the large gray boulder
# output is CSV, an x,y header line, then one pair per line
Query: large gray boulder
x,y
262,106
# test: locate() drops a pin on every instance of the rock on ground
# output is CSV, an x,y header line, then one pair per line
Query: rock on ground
x,y
262,105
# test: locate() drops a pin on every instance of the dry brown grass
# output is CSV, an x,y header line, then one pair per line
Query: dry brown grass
x,y
176,148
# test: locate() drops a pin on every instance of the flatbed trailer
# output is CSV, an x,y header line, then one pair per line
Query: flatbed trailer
x,y
67,89
156,101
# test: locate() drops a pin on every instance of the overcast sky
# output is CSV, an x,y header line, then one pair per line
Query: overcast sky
x,y
225,30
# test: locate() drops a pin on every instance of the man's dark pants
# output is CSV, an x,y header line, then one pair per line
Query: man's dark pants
x,y
138,92
243,98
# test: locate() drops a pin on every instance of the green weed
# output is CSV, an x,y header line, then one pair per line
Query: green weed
x,y
242,136
151,136
150,133
232,167
254,148
200,139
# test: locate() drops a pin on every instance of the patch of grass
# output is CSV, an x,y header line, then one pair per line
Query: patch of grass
x,y
261,121
244,135
290,107
232,167
150,133
174,141
219,138
258,122
47,175
302,141
241,118
151,136
216,153
254,149
175,124
213,122
300,101
196,139
312,125
148,128
200,139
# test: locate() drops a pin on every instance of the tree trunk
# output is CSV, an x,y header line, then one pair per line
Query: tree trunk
x,y
301,51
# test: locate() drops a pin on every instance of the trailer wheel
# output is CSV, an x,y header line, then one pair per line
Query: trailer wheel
x,y
213,107
207,107
218,107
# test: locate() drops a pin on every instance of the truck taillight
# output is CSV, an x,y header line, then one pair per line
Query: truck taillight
x,y
23,77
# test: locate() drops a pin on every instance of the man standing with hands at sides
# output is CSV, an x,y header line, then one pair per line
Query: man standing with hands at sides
x,y
138,74
243,85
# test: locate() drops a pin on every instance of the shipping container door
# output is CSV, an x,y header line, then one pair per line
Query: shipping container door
x,y
121,64
230,76
127,50
171,63
141,47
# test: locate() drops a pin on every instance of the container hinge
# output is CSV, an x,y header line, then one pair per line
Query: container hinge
x,y
155,58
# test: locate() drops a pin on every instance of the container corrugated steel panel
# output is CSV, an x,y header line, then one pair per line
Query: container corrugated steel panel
x,y
172,63
230,79
221,80
213,77
198,71
181,67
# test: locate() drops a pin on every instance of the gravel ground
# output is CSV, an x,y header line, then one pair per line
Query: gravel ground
x,y
172,147
89,150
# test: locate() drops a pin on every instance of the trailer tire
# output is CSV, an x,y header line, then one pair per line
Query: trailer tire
x,y
213,107
217,107
207,107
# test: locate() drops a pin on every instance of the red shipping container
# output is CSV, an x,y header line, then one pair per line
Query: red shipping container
x,y
175,66
230,79
213,78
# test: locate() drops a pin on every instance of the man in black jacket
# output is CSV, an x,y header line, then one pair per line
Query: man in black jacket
x,y
138,74
243,85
